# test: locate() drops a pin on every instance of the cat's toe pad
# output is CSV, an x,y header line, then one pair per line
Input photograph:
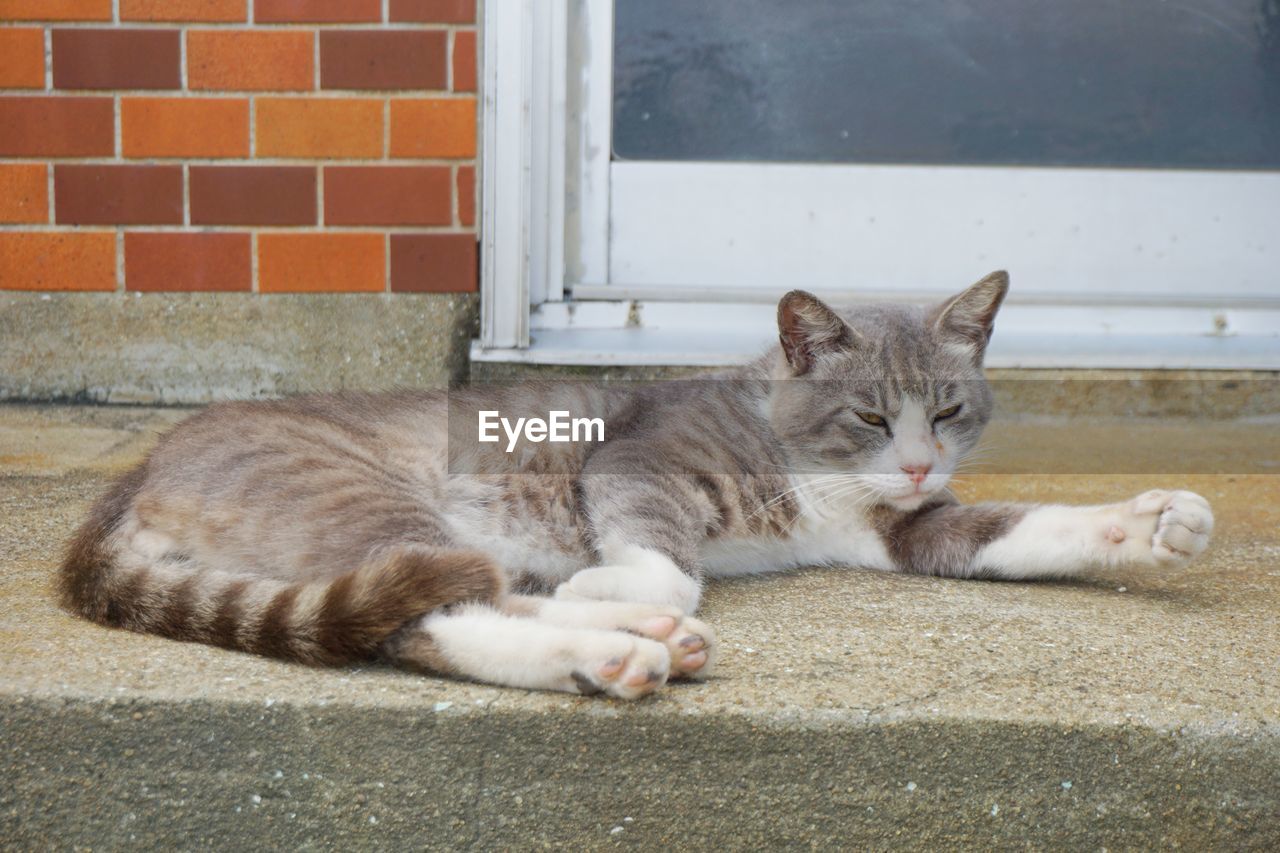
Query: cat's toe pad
x,y
636,667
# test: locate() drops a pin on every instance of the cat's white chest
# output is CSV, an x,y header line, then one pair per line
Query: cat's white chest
x,y
848,541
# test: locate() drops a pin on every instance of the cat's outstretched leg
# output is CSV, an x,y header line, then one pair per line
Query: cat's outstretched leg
x,y
690,642
479,643
1015,542
1157,528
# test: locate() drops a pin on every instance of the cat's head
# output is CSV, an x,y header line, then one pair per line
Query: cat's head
x,y
894,394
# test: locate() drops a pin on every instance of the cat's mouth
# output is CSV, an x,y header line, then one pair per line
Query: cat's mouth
x,y
909,501
912,498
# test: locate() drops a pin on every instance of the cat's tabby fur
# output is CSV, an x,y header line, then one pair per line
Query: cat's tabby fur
x,y
335,528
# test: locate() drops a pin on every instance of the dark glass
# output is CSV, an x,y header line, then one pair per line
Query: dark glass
x,y
1126,83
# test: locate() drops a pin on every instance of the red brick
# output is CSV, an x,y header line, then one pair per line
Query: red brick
x,y
433,127
467,195
187,262
185,127
434,11
319,127
221,11
62,260
116,59
371,59
253,195
433,263
24,192
249,60
387,195
57,127
464,61
21,58
55,10
117,195
317,11
321,262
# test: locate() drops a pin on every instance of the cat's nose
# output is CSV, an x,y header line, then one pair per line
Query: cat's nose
x,y
917,473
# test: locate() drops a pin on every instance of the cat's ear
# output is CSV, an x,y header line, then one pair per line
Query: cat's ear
x,y
807,328
969,317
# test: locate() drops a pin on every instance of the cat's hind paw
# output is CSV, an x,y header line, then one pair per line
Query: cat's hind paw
x,y
1183,524
632,669
691,643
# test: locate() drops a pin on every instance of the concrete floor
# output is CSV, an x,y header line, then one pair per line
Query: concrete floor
x,y
1137,709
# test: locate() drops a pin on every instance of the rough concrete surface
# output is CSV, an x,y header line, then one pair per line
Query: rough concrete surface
x,y
852,710
183,348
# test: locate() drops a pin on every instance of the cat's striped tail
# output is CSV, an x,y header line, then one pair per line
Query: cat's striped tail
x,y
341,620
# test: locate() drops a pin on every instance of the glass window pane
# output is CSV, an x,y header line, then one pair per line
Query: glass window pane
x,y
1132,83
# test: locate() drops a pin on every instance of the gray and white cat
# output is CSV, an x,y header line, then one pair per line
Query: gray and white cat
x,y
335,528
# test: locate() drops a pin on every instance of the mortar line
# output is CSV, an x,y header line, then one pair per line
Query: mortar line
x,y
296,94
178,228
336,160
48,59
315,60
120,288
449,41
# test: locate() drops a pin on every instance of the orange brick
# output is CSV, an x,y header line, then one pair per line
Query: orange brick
x,y
249,60
321,262
24,192
55,10
184,10
185,127
319,127
464,61
21,58
63,260
433,127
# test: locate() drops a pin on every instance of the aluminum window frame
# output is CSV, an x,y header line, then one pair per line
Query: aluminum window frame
x,y
552,290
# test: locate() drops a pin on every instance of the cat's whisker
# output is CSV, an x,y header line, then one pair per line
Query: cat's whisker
x,y
782,496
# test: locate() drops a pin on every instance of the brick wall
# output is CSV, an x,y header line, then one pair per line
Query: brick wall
x,y
238,145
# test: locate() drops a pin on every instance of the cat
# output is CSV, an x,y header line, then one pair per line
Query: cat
x,y
335,528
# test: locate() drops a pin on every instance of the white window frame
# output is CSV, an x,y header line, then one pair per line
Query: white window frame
x,y
555,291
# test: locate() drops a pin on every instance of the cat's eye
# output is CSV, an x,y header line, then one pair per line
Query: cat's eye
x,y
948,412
871,418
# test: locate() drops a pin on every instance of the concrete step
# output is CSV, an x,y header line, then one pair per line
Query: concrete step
x,y
853,709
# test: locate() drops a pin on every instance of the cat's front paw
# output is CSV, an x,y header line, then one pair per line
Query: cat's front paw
x,y
1179,522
